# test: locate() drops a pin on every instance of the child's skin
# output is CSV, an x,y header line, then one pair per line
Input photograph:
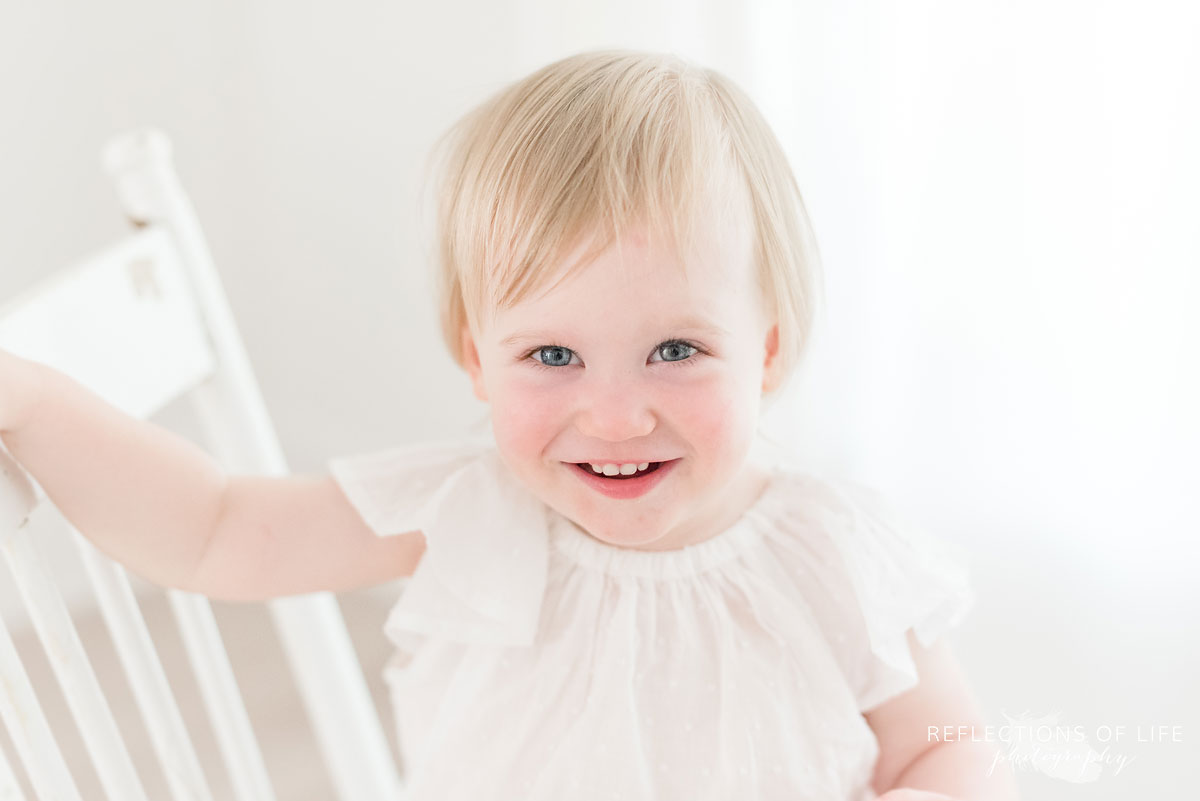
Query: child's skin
x,y
160,505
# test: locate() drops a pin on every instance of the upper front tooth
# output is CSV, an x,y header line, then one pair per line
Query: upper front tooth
x,y
614,469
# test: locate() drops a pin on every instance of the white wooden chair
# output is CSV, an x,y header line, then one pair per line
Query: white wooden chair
x,y
141,324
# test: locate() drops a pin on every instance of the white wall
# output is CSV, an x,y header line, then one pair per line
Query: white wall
x,y
1004,194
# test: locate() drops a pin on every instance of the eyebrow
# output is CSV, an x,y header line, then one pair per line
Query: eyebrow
x,y
683,324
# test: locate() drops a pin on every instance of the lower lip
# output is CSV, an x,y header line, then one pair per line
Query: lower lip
x,y
625,487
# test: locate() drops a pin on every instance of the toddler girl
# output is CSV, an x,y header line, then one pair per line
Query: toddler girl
x,y
618,589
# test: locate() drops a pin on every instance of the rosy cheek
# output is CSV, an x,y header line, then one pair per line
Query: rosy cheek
x,y
708,414
523,413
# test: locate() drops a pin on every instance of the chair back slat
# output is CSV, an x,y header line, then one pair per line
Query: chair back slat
x,y
222,700
30,732
69,663
139,659
9,789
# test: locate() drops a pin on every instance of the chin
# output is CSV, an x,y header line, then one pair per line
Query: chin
x,y
624,539
621,540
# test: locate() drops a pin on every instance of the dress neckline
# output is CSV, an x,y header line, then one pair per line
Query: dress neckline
x,y
583,549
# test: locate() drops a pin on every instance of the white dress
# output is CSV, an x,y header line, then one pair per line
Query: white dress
x,y
535,662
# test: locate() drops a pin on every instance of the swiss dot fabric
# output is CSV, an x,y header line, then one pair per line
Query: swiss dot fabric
x,y
535,662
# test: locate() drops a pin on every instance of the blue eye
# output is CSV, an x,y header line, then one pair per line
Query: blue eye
x,y
555,356
679,348
558,355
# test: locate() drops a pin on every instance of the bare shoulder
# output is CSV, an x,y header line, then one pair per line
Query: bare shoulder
x,y
279,536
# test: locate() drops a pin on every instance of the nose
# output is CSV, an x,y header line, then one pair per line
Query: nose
x,y
614,411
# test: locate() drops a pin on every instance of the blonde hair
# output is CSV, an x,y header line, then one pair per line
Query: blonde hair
x,y
590,145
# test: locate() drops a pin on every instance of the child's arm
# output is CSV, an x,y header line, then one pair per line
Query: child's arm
x,y
285,536
912,760
164,508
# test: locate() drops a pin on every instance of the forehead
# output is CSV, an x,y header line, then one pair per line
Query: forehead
x,y
636,284
646,276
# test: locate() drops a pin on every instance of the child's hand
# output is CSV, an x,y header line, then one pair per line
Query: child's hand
x,y
905,794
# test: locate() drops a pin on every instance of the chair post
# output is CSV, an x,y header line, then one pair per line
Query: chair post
x,y
311,628
22,715
18,497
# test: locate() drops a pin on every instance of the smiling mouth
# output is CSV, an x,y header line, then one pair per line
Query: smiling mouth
x,y
587,468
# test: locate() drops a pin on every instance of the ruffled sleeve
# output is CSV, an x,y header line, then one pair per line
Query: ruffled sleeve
x,y
483,573
899,578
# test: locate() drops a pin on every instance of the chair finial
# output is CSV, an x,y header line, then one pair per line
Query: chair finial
x,y
139,161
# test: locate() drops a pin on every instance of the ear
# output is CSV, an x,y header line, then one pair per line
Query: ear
x,y
472,364
771,359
